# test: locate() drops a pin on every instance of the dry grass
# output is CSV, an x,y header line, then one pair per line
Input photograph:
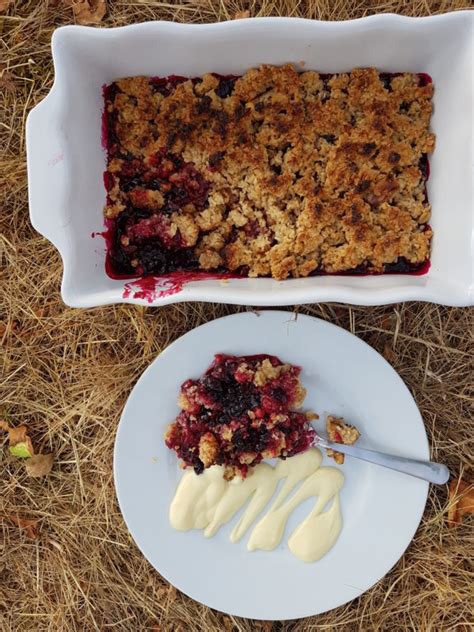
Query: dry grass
x,y
66,373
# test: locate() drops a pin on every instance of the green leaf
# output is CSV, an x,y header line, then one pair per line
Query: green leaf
x,y
21,450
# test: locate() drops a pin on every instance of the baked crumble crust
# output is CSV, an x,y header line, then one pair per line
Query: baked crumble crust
x,y
274,173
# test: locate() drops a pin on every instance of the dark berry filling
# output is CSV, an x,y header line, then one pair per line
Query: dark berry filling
x,y
226,86
143,242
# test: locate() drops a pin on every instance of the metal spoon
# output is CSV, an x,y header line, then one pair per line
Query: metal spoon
x,y
426,470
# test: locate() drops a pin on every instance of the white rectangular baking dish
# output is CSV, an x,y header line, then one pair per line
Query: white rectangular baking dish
x,y
66,158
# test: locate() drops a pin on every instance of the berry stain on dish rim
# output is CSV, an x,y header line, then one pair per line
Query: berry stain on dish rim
x,y
150,287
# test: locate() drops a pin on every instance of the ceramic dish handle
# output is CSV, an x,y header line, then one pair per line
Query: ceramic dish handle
x,y
46,170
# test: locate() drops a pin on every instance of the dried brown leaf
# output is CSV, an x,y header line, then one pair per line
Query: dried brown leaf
x,y
161,592
4,4
39,465
12,325
7,84
228,624
17,435
389,354
241,15
172,593
88,11
461,496
30,527
386,322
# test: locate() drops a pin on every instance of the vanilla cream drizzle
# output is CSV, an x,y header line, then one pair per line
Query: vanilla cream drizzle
x,y
207,501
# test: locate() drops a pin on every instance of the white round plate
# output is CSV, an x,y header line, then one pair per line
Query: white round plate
x,y
381,508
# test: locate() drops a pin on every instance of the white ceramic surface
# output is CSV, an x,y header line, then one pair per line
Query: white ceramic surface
x,y
66,159
381,508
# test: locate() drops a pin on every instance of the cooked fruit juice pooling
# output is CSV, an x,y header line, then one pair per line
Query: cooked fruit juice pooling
x,y
207,501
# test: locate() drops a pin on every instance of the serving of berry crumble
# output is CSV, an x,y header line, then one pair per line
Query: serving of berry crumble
x,y
273,173
242,410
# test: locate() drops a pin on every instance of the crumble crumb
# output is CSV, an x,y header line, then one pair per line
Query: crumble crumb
x,y
208,449
266,372
340,432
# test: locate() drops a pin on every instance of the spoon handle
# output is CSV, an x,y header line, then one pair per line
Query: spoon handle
x,y
427,470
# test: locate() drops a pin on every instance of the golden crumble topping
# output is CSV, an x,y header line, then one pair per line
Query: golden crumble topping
x,y
266,372
274,173
208,449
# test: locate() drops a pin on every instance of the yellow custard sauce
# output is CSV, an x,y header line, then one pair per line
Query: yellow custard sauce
x,y
207,501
